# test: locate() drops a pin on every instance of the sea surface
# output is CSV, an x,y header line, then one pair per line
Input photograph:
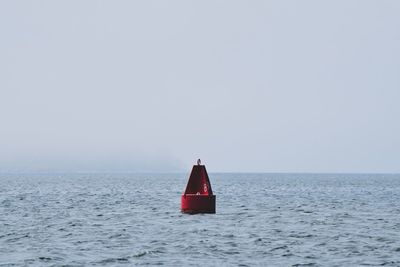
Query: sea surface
x,y
261,220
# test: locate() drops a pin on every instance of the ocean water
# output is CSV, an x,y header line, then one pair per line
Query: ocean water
x,y
261,220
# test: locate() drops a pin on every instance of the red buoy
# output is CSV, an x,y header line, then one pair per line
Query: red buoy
x,y
198,196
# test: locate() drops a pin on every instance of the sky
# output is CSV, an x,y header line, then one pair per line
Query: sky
x,y
247,86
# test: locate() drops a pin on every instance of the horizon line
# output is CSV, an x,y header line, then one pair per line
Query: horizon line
x,y
185,172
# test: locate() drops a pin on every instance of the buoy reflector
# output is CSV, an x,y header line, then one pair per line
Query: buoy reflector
x,y
198,196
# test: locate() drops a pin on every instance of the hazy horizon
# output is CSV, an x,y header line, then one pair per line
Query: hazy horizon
x,y
150,86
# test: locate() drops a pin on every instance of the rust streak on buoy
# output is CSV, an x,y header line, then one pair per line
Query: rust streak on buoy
x,y
198,196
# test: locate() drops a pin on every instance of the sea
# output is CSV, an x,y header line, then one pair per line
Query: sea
x,y
262,219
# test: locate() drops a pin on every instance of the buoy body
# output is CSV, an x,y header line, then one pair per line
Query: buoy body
x,y
198,196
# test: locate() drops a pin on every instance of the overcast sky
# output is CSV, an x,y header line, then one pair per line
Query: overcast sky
x,y
260,86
